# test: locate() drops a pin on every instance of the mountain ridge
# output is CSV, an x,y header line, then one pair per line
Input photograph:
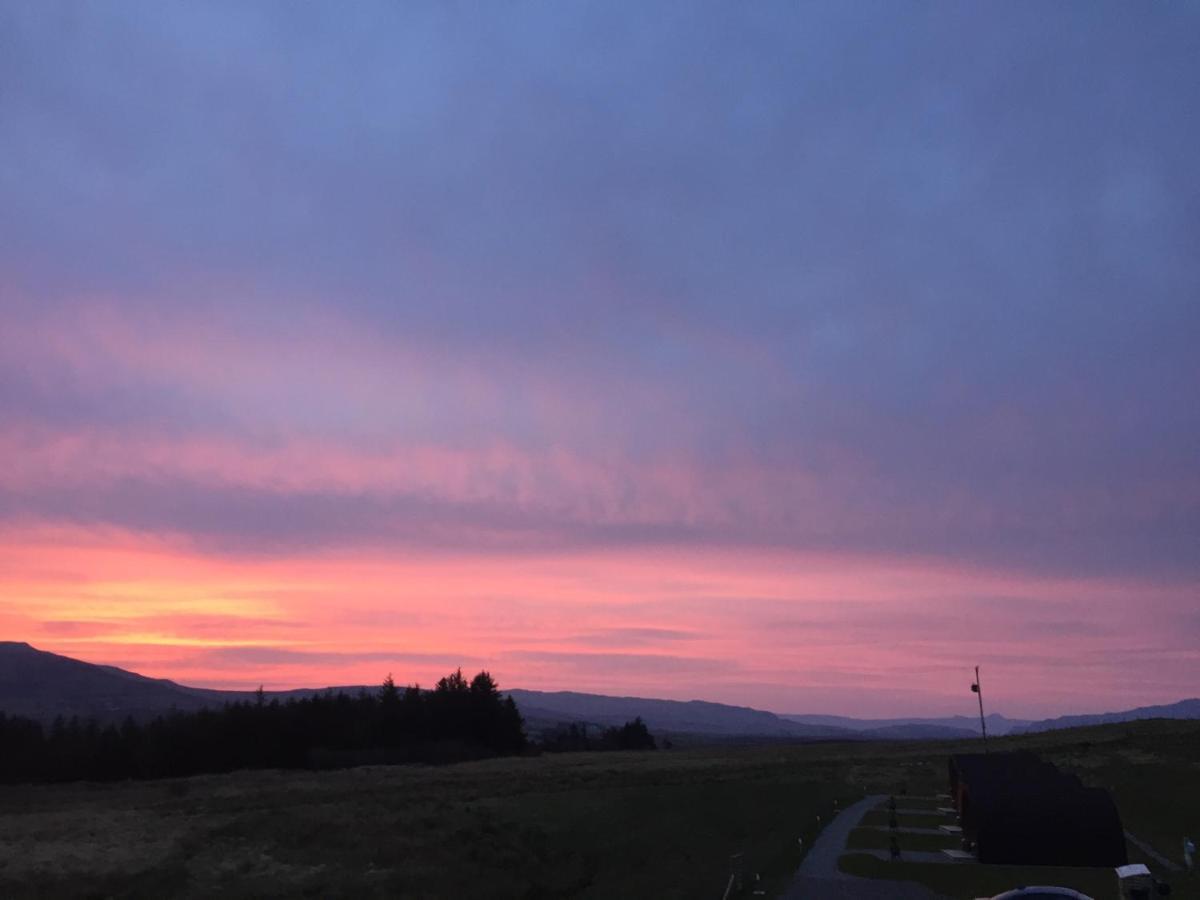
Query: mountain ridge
x,y
997,724
43,685
1180,709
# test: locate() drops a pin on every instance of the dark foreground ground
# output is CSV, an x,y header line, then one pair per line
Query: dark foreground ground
x,y
661,824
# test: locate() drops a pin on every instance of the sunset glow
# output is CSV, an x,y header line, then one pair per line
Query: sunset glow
x,y
406,364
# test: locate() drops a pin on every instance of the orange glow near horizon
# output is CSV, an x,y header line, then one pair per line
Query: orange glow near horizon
x,y
775,630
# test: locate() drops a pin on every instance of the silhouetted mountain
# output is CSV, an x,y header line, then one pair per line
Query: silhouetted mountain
x,y
43,685
1184,709
665,716
917,732
946,726
702,718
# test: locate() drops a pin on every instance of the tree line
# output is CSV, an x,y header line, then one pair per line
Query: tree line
x,y
456,720
575,737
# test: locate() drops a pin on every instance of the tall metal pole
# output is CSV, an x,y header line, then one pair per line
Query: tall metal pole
x,y
978,689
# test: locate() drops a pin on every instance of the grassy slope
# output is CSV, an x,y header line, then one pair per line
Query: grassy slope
x,y
878,839
879,818
592,825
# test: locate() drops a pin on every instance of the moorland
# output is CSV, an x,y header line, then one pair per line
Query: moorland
x,y
658,823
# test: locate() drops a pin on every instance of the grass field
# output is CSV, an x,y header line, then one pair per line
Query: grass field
x,y
879,818
657,824
877,839
596,825
929,805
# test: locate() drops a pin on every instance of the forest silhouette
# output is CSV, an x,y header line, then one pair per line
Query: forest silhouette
x,y
457,720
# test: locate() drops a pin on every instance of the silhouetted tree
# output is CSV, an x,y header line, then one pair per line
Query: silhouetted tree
x,y
387,692
454,683
631,736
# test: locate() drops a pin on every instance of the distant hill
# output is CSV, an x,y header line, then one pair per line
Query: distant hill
x,y
1184,709
44,685
916,732
946,726
666,716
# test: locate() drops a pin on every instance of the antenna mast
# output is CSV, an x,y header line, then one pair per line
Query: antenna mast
x,y
982,721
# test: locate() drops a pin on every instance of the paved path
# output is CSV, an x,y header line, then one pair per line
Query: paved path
x,y
821,860
819,877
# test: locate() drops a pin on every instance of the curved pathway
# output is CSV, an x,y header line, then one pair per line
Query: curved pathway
x,y
819,877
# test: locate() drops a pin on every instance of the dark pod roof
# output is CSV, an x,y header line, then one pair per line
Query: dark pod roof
x,y
1020,809
979,768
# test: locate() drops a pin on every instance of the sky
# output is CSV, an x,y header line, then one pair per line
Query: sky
x,y
794,355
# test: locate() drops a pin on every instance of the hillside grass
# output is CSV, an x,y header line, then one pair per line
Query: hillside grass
x,y
879,818
929,805
657,824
